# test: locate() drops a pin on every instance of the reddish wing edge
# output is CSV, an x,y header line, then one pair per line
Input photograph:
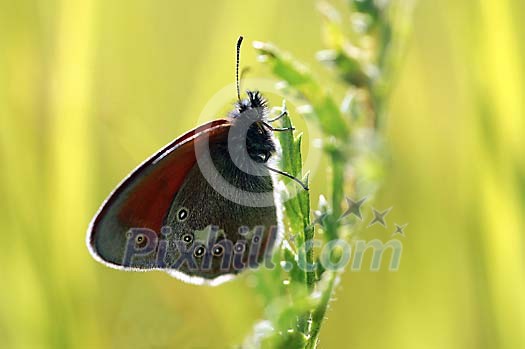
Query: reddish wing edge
x,y
144,197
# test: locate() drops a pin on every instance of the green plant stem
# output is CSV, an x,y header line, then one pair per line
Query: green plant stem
x,y
315,288
319,313
317,317
338,180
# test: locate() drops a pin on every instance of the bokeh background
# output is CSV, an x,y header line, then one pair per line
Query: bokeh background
x,y
89,88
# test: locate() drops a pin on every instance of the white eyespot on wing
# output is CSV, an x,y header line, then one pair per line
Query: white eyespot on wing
x,y
182,214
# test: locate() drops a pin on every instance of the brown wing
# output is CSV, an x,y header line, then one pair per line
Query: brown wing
x,y
144,198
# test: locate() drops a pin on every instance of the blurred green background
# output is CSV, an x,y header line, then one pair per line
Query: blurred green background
x,y
90,88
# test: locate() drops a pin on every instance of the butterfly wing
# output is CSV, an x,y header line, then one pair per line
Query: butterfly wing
x,y
221,237
144,197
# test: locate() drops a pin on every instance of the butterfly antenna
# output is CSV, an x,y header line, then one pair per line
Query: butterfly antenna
x,y
239,42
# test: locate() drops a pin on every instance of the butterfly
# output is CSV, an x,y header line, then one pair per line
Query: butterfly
x,y
203,207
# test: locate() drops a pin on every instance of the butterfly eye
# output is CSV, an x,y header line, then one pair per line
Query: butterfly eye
x,y
182,214
141,240
199,251
218,250
261,157
187,238
256,239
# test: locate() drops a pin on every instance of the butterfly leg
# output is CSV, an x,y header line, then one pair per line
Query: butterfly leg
x,y
283,113
277,129
286,174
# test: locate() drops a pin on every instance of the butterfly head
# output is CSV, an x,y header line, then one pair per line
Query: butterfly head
x,y
255,104
250,114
